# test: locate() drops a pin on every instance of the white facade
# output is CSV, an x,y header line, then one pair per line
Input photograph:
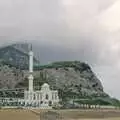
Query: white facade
x,y
43,98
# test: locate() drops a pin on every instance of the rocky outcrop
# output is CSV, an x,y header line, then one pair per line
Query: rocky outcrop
x,y
71,78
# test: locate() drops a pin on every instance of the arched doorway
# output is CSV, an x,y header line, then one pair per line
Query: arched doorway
x,y
50,103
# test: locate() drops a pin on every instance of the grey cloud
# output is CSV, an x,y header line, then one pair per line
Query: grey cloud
x,y
66,30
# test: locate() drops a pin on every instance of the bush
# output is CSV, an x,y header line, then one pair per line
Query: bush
x,y
94,102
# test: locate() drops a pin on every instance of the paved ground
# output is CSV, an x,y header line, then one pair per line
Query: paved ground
x,y
15,114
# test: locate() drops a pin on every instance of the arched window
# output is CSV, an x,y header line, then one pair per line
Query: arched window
x,y
47,97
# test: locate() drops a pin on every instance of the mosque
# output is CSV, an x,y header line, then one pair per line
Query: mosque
x,y
45,98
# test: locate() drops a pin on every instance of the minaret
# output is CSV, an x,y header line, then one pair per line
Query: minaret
x,y
31,69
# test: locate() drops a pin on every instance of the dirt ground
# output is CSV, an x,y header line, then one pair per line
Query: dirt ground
x,y
19,114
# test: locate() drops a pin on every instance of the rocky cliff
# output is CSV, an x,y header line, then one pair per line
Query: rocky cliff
x,y
70,77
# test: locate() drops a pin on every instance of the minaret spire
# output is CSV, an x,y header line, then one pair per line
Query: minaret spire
x,y
31,60
31,47
31,69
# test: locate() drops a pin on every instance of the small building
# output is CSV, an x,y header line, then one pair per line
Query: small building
x,y
45,98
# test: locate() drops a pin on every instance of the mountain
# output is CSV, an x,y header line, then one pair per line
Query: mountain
x,y
73,79
16,55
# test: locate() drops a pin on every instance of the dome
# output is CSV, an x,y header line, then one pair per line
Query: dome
x,y
45,85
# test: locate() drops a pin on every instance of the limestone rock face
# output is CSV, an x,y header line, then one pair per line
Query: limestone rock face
x,y
72,78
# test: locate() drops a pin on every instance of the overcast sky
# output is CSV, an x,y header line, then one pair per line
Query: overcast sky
x,y
86,30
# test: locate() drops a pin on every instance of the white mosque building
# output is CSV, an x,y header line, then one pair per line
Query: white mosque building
x,y
45,98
